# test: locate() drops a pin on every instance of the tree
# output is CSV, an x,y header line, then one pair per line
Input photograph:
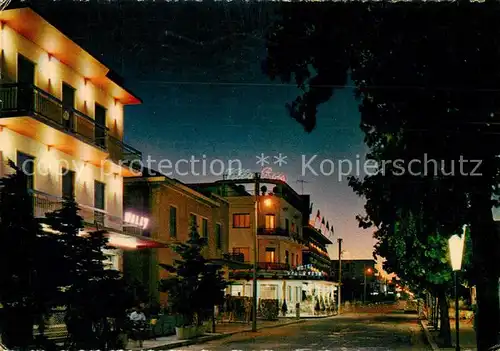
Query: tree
x,y
27,285
425,93
195,286
84,274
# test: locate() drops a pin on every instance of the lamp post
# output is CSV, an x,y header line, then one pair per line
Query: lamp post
x,y
456,247
255,253
366,271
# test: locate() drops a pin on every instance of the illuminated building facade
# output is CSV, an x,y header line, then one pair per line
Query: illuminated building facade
x,y
62,123
281,220
169,207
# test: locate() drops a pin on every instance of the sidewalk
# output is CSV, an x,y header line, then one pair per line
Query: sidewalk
x,y
467,336
222,330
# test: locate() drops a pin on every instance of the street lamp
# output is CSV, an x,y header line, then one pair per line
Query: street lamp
x,y
456,247
366,271
267,202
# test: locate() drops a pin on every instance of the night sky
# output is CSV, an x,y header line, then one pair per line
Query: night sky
x,y
197,68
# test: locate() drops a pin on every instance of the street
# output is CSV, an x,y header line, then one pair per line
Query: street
x,y
383,328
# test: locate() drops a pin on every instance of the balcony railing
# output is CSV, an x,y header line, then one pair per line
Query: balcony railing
x,y
273,231
281,232
235,256
25,99
122,153
44,203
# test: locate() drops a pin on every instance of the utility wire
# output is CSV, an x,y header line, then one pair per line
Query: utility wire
x,y
387,87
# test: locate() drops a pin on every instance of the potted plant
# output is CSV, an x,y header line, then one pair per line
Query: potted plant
x,y
194,286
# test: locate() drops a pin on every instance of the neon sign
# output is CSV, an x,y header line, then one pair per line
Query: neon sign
x,y
267,173
240,174
136,220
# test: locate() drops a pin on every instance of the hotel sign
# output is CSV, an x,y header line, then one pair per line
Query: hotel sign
x,y
139,221
240,174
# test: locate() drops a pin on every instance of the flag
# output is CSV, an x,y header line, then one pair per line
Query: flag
x,y
318,215
327,226
311,208
323,221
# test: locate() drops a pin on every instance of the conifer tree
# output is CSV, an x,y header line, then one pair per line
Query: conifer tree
x,y
27,285
92,293
195,285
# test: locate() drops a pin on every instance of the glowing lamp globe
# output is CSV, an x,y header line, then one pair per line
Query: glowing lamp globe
x,y
456,246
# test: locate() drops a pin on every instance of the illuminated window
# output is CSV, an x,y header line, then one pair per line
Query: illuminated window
x,y
268,292
270,221
270,254
287,257
241,220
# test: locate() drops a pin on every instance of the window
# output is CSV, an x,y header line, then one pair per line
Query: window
x,y
68,102
26,78
204,227
294,230
270,221
99,202
270,254
287,225
289,293
293,259
99,193
218,236
241,220
100,121
268,292
68,183
287,257
27,165
193,221
242,251
173,222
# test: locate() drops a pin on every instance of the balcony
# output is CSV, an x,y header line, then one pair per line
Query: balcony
x,y
273,231
32,112
273,266
282,232
92,217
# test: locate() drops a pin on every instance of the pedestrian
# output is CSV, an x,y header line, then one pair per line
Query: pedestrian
x,y
138,319
248,309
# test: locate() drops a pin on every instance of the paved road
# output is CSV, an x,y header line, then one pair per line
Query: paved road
x,y
388,329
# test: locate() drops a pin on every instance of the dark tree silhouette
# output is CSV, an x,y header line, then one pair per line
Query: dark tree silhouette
x,y
93,295
425,92
28,288
196,285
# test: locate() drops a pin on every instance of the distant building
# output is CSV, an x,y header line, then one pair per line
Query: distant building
x,y
354,272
